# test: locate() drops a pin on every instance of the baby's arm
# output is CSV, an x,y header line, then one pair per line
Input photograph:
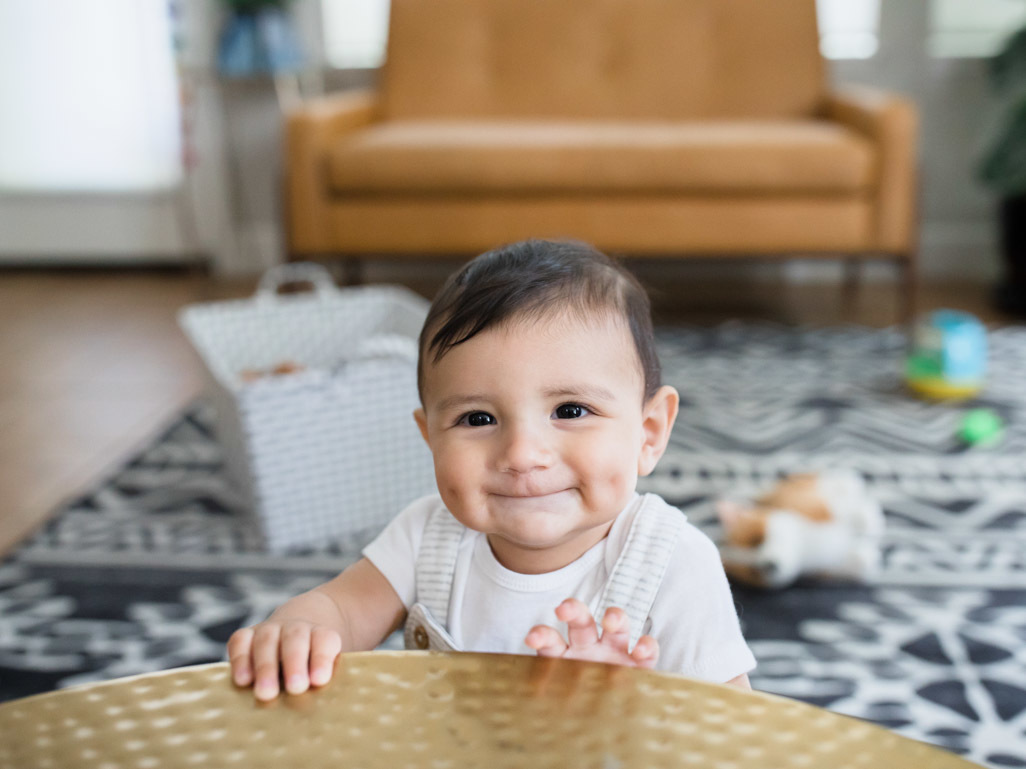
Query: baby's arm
x,y
353,612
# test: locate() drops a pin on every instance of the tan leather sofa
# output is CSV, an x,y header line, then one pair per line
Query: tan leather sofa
x,y
678,128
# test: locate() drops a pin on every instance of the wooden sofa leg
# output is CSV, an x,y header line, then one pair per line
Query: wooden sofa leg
x,y
908,287
850,282
346,270
352,271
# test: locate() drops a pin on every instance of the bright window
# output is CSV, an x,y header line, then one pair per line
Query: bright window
x,y
849,29
972,28
88,96
355,32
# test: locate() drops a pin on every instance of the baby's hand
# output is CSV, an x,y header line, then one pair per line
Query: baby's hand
x,y
305,651
584,642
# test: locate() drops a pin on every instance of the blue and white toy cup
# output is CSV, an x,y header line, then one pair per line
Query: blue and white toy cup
x,y
949,356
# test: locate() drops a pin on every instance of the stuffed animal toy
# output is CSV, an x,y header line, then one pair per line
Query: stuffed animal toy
x,y
823,523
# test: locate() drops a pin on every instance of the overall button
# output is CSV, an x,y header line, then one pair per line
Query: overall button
x,y
420,637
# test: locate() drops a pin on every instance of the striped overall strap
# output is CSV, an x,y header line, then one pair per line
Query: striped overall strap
x,y
635,579
436,563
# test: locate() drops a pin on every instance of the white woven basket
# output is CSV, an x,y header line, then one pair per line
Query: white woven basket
x,y
331,449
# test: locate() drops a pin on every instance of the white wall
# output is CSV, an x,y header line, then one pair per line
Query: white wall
x,y
959,236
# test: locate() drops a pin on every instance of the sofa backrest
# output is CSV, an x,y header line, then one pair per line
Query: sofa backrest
x,y
657,59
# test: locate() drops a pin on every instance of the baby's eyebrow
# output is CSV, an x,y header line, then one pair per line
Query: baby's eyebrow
x,y
456,401
584,392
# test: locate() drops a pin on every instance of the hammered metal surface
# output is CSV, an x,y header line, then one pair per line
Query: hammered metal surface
x,y
421,709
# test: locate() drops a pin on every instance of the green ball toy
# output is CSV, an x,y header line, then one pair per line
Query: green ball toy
x,y
981,427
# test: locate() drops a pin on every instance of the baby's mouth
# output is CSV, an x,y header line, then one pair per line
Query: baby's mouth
x,y
527,491
539,495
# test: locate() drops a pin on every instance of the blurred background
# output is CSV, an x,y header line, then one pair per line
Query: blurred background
x,y
141,168
124,144
156,154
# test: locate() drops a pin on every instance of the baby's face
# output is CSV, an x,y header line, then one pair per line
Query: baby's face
x,y
539,432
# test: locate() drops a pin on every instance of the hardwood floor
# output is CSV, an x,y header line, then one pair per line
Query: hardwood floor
x,y
93,363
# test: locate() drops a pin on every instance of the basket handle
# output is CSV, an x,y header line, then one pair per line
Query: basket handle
x,y
295,272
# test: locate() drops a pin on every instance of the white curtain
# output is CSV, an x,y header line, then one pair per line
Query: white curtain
x,y
88,96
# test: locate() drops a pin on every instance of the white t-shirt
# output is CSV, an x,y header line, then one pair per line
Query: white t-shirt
x,y
492,609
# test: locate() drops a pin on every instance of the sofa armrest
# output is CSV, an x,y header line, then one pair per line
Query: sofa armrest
x,y
892,124
309,131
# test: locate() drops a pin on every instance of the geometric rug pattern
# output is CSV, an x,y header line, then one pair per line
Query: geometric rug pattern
x,y
159,563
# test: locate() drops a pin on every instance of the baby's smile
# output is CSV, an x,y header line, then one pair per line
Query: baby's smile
x,y
529,488
551,500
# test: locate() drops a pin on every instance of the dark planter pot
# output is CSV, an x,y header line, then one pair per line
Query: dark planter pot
x,y
1010,295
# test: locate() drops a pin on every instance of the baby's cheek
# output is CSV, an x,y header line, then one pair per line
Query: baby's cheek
x,y
612,479
453,483
460,488
447,479
452,469
622,482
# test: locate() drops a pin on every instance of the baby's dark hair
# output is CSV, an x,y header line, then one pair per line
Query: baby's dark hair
x,y
530,279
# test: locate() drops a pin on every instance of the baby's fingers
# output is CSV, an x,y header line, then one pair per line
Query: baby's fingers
x,y
646,652
580,625
616,630
266,660
295,657
546,641
240,647
325,646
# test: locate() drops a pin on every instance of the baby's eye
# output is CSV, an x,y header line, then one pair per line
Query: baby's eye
x,y
477,419
570,411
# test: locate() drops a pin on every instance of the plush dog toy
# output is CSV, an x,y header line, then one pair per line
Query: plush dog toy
x,y
819,523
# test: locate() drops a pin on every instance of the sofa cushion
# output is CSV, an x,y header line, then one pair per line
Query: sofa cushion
x,y
552,156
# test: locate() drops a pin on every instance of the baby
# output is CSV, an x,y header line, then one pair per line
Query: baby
x,y
542,405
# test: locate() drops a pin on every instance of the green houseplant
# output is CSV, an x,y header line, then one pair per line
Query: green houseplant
x,y
1003,167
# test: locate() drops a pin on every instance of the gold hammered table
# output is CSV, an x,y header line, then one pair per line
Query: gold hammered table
x,y
423,709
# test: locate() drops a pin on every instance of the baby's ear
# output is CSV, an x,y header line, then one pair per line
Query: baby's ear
x,y
658,416
421,419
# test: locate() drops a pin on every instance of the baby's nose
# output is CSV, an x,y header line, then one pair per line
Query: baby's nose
x,y
525,450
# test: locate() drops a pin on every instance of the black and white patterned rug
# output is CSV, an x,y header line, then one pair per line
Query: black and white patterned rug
x,y
158,564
